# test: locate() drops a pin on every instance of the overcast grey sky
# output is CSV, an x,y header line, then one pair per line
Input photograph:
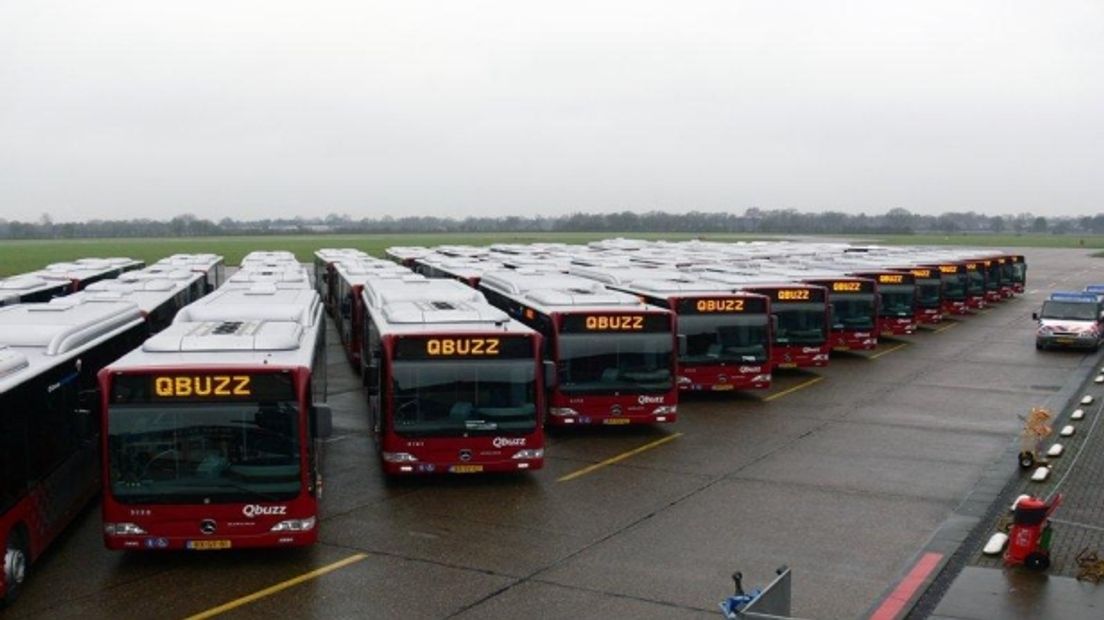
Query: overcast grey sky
x,y
135,108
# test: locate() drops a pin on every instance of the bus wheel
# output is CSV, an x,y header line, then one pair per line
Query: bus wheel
x,y
1037,561
15,567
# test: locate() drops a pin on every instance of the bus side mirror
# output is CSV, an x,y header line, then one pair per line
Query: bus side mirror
x,y
682,345
549,374
323,421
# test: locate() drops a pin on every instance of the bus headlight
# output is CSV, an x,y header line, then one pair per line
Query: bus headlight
x,y
682,380
294,525
534,453
562,412
399,457
665,410
123,529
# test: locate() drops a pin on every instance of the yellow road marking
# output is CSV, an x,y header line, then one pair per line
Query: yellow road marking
x,y
890,350
283,585
795,388
620,457
945,328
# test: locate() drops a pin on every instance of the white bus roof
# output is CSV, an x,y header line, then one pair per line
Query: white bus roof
x,y
551,291
259,302
37,336
433,306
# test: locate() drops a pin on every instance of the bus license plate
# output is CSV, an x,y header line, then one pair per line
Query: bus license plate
x,y
466,469
787,365
723,387
615,421
207,545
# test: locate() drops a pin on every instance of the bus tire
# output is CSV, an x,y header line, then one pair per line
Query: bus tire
x,y
1037,561
16,565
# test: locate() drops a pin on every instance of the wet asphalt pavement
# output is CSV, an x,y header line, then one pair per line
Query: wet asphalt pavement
x,y
842,479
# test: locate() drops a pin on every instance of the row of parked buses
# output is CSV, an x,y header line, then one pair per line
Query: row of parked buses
x,y
196,402
51,348
59,279
617,328
193,404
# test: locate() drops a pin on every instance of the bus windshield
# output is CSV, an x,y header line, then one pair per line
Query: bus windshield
x,y
800,323
464,397
994,281
185,453
854,311
954,286
975,283
897,300
712,338
1070,311
615,362
1019,272
927,293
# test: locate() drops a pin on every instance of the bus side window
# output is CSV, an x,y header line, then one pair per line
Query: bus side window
x,y
13,447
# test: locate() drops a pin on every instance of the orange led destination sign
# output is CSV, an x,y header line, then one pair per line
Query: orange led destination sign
x,y
948,268
719,305
624,323
793,294
722,305
449,347
891,278
488,347
179,386
615,323
202,386
922,273
846,287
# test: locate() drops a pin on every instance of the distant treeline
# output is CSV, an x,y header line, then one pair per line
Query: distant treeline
x,y
894,221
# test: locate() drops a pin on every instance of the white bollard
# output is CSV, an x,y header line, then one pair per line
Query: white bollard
x,y
1067,431
1077,414
996,544
1055,450
1099,379
1040,474
1086,400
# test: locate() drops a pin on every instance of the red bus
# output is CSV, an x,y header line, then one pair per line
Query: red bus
x,y
324,262
952,275
49,408
1019,272
212,266
724,335
853,300
896,300
346,283
614,356
406,255
800,313
929,295
454,386
976,284
211,427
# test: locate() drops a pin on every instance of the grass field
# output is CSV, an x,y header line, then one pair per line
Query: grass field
x,y
23,256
